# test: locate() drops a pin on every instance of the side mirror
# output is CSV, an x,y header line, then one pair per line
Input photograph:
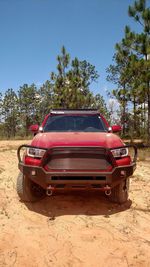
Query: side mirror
x,y
116,128
34,128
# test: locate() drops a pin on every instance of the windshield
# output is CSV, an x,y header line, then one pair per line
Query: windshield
x,y
74,123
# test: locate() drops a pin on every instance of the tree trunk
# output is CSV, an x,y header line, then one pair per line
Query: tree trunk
x,y
134,115
148,94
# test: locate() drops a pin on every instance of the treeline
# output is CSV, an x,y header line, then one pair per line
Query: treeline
x,y
68,87
130,74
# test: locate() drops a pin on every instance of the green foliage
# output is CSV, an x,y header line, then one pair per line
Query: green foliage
x,y
9,112
100,104
44,101
131,71
71,82
27,96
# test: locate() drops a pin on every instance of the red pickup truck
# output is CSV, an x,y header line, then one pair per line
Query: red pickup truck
x,y
75,150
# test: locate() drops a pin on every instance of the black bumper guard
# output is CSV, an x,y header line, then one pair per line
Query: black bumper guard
x,y
44,178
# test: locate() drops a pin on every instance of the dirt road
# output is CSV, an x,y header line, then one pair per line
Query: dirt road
x,y
73,230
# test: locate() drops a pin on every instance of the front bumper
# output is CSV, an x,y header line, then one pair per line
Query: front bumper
x,y
44,179
63,179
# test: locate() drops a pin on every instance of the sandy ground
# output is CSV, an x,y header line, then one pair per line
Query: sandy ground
x,y
74,229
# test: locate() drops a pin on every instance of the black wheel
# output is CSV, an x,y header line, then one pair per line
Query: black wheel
x,y
119,193
28,190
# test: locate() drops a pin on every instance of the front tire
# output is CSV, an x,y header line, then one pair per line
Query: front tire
x,y
27,190
120,193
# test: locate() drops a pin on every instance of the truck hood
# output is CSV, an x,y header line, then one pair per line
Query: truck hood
x,y
75,139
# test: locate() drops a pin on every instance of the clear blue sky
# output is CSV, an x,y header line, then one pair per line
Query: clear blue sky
x,y
33,31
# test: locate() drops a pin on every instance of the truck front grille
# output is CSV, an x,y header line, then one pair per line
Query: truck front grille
x,y
83,159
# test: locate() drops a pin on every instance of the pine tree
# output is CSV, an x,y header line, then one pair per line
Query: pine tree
x,y
71,84
139,44
9,112
27,96
136,73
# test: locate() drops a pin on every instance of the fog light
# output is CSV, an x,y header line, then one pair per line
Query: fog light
x,y
33,173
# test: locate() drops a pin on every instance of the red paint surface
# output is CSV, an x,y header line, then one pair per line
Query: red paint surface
x,y
77,139
53,139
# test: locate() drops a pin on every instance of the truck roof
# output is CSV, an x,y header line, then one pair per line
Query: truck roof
x,y
74,111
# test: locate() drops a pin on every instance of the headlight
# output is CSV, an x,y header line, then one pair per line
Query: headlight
x,y
120,152
35,152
